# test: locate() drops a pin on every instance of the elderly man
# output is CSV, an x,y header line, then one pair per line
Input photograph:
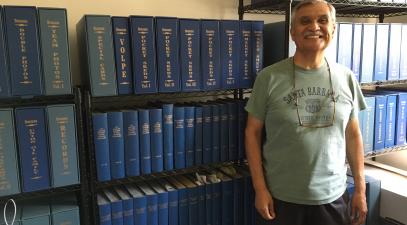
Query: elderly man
x,y
309,107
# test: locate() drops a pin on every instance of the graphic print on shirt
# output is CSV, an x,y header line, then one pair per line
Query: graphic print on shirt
x,y
315,105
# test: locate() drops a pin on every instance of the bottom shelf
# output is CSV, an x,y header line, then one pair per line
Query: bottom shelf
x,y
386,151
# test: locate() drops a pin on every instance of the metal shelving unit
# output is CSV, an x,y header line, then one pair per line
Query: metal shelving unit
x,y
105,103
81,190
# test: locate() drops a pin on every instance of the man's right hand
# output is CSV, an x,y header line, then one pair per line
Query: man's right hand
x,y
264,204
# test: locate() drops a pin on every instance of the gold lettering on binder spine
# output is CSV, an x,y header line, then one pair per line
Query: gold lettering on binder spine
x,y
4,184
62,122
22,29
54,26
143,31
230,80
169,82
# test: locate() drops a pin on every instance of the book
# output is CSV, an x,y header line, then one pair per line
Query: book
x,y
116,206
367,53
104,209
169,79
122,52
189,51
10,180
32,148
96,41
168,135
163,202
144,54
391,110
182,200
380,122
238,193
145,144
241,126
193,195
179,137
101,145
53,29
156,140
345,37
215,108
233,130
381,50
224,132
257,46
172,201
403,54
206,134
229,50
197,180
128,205
63,144
393,59
35,212
373,188
356,51
5,86
21,31
131,142
198,135
65,210
210,54
116,144
246,77
189,135
400,135
368,125
139,204
152,203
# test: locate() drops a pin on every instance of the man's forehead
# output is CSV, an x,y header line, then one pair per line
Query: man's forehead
x,y
313,11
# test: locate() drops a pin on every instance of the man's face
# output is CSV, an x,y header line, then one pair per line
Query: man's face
x,y
312,28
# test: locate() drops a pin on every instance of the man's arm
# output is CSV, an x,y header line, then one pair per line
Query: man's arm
x,y
354,153
264,201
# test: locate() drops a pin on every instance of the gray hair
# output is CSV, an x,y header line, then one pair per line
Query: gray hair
x,y
313,2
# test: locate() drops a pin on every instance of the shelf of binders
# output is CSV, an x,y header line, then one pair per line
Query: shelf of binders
x,y
58,186
120,103
386,151
344,8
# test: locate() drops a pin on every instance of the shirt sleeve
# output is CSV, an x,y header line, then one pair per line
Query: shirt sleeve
x,y
359,102
257,104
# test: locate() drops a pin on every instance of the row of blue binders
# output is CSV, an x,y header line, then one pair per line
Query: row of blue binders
x,y
145,54
34,52
374,51
148,140
210,196
38,148
383,122
45,212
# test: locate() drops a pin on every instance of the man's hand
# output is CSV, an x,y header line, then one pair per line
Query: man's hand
x,y
264,204
359,208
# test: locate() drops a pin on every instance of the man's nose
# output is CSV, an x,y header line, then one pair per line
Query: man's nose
x,y
314,26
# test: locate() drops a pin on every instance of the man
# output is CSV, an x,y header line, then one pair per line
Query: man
x,y
309,107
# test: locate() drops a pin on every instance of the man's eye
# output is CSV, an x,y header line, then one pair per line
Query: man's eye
x,y
305,22
323,20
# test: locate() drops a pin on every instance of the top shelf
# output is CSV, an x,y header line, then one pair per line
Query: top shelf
x,y
344,8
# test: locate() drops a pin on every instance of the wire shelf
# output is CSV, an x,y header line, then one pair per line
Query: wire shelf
x,y
344,8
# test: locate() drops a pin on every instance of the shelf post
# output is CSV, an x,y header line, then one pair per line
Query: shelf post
x,y
287,27
240,10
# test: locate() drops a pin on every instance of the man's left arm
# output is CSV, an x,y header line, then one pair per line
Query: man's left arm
x,y
355,156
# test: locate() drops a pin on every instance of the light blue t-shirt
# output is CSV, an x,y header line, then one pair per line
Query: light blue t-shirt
x,y
305,165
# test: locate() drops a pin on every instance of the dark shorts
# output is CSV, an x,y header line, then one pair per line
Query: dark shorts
x,y
335,213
